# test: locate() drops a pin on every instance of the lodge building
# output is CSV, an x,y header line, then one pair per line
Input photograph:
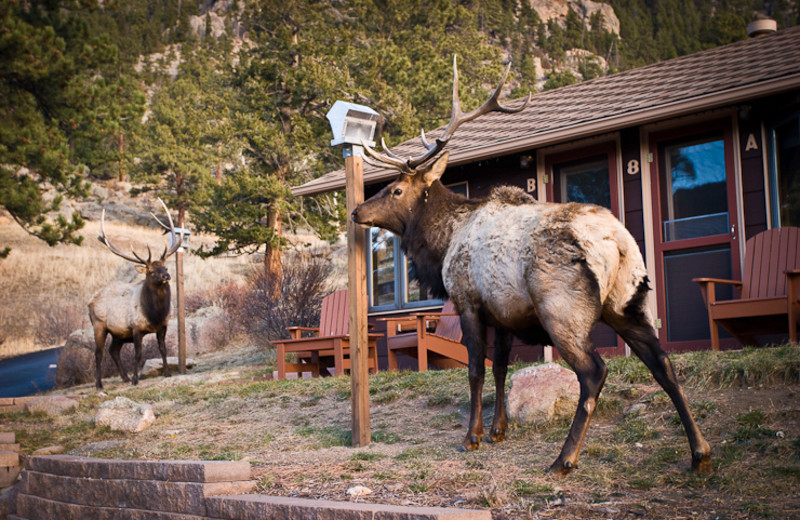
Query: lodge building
x,y
694,155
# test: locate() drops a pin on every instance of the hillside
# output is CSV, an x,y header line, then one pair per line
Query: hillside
x,y
218,107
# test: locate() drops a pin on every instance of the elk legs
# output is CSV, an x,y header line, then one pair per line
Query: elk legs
x,y
114,350
591,371
162,347
474,331
100,345
644,343
502,350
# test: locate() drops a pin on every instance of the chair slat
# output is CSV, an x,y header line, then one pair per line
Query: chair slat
x,y
767,256
449,326
749,262
334,316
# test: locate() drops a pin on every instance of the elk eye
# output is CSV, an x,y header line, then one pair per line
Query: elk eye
x,y
397,192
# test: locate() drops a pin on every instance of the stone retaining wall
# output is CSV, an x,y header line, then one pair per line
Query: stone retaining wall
x,y
78,488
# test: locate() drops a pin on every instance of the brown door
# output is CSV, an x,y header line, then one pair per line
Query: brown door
x,y
588,175
696,233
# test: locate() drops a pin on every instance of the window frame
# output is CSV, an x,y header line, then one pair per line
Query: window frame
x,y
773,185
401,279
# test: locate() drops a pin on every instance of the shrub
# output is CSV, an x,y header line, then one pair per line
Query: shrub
x,y
264,313
58,322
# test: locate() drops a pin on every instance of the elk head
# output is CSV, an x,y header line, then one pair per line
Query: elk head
x,y
391,207
155,270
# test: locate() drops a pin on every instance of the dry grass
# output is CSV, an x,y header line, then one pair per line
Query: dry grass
x,y
46,289
296,435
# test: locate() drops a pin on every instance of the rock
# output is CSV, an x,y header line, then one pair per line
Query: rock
x,y
358,491
8,501
122,414
51,405
549,9
541,392
634,409
155,366
50,450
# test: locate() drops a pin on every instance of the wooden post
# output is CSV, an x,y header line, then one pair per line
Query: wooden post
x,y
357,278
181,314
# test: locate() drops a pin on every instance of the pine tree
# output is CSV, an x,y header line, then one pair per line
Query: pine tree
x,y
54,95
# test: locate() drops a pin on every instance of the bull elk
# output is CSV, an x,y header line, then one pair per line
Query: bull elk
x,y
543,272
129,311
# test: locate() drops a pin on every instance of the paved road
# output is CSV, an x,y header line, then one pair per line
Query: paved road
x,y
28,374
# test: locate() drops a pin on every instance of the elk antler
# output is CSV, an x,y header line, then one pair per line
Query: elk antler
x,y
136,259
410,165
174,242
104,239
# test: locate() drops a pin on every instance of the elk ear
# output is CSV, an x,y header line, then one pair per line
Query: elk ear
x,y
141,268
437,170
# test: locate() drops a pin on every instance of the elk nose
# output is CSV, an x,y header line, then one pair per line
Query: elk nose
x,y
354,215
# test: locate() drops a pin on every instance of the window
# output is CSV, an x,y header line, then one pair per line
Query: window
x,y
585,181
784,169
695,196
391,282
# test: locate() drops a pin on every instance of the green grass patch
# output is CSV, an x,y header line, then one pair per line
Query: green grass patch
x,y
635,429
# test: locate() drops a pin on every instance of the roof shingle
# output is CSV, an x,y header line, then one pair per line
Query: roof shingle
x,y
704,80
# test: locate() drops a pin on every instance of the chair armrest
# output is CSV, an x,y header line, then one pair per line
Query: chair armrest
x,y
297,332
709,291
717,280
398,324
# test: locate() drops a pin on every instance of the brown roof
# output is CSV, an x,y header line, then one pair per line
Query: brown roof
x,y
705,80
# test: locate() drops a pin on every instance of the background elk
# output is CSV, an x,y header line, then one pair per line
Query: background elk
x,y
544,272
129,311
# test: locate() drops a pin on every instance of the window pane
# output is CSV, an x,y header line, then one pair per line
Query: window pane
x,y
586,181
787,165
696,193
382,267
414,291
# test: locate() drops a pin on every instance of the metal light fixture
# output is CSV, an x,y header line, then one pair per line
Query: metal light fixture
x,y
350,124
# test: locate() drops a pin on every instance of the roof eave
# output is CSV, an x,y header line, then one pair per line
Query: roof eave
x,y
583,129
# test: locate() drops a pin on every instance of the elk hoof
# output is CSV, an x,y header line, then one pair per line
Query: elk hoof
x,y
472,444
496,435
701,462
559,469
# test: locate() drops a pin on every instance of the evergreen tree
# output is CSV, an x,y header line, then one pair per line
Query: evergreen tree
x,y
56,83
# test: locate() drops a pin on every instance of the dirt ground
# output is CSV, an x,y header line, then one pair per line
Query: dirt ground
x,y
296,435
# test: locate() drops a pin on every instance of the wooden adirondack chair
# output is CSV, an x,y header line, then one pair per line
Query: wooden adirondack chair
x,y
770,290
331,340
441,348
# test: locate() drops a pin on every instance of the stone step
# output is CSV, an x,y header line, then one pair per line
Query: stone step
x,y
170,470
152,495
9,459
258,507
8,475
37,508
7,446
7,438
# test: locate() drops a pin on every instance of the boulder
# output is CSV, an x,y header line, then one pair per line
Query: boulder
x,y
49,450
122,414
541,392
51,405
155,366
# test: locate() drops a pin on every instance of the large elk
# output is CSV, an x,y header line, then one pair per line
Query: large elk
x,y
129,311
543,272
